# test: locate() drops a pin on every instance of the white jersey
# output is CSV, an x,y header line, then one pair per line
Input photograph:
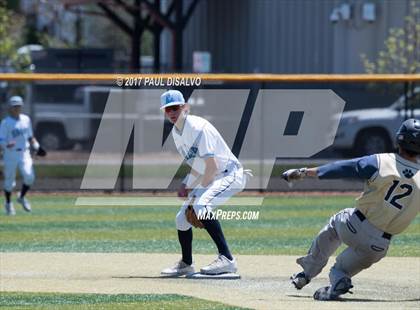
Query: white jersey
x,y
16,130
199,140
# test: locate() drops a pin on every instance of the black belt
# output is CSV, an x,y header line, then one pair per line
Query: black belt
x,y
362,217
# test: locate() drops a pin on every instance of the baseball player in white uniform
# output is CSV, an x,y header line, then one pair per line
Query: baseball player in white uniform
x,y
389,203
216,175
16,137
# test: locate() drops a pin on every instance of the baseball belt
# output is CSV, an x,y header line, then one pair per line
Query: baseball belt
x,y
362,217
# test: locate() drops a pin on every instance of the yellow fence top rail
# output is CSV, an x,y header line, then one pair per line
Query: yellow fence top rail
x,y
214,77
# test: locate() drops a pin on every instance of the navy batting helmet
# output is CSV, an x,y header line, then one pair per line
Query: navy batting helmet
x,y
408,136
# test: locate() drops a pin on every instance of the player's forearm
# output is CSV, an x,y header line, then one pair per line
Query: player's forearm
x,y
207,179
198,178
34,143
362,168
197,182
192,179
195,173
312,172
210,172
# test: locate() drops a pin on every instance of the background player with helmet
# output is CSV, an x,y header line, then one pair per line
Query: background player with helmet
x,y
216,175
16,138
389,203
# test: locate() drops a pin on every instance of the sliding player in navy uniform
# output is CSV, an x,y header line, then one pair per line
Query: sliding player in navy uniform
x,y
389,203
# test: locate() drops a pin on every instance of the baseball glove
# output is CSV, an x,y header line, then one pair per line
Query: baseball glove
x,y
192,217
41,152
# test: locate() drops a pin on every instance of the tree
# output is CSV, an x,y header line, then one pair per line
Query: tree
x,y
146,18
10,39
402,47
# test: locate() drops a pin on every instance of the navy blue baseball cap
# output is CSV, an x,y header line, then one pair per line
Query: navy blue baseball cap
x,y
171,98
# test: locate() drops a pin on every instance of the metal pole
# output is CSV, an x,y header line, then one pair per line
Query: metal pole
x,y
157,30
413,100
178,35
123,150
262,145
30,101
406,100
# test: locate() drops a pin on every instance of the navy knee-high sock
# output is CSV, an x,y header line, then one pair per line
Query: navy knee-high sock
x,y
24,190
7,196
185,238
215,231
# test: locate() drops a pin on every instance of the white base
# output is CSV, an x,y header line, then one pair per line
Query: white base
x,y
223,276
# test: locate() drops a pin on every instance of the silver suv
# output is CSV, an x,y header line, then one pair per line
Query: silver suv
x,y
371,131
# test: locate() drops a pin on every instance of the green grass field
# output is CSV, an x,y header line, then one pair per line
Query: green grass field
x,y
286,226
104,301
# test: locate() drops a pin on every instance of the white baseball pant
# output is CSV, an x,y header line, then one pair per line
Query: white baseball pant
x,y
218,192
21,160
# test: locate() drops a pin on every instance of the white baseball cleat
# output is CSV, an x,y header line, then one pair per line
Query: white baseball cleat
x,y
10,210
25,204
180,269
220,265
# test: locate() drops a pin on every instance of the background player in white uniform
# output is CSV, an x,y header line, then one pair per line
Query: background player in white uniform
x,y
16,137
389,203
215,176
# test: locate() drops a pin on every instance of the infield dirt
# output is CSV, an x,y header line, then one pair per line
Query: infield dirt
x,y
393,283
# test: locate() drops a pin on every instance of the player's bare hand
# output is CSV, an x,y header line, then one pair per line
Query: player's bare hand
x,y
292,175
183,191
10,144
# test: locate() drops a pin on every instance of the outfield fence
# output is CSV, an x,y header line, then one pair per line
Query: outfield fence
x,y
272,122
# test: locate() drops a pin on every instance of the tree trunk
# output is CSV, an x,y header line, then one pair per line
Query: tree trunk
x,y
178,35
135,63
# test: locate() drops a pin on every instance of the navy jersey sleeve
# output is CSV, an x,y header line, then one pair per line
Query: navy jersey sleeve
x,y
358,168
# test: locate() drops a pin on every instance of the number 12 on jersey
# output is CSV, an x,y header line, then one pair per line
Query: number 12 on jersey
x,y
393,198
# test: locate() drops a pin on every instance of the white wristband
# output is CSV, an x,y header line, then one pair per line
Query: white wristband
x,y
35,146
189,180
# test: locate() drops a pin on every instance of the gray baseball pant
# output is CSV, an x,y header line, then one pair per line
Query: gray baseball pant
x,y
366,246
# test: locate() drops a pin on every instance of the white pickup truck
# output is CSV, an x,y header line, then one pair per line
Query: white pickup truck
x,y
65,114
369,131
